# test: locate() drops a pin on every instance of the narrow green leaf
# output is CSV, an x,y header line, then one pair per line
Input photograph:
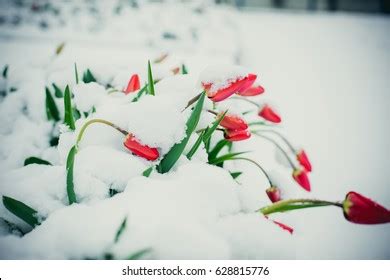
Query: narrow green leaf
x,y
52,112
88,77
60,48
147,172
35,160
150,80
196,145
5,71
235,174
139,94
12,228
76,114
139,254
76,73
68,119
211,130
120,230
57,91
173,155
217,148
184,70
225,157
21,210
69,175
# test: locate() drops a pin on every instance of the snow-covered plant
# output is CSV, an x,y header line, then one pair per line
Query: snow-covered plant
x,y
217,139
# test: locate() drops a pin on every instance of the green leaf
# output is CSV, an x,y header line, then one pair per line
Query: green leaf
x,y
69,175
225,157
147,172
120,230
211,130
150,80
68,119
76,73
174,153
139,94
218,147
235,174
35,160
60,48
76,114
184,70
88,77
57,91
21,210
139,254
52,112
196,145
5,71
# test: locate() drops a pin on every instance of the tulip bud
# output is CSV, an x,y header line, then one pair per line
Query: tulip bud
x,y
240,84
237,135
175,70
304,160
252,91
269,114
273,194
133,84
300,176
140,150
233,122
362,210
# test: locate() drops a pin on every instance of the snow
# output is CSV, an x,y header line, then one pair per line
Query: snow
x,y
329,87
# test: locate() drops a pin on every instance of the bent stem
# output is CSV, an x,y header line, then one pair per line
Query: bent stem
x,y
84,127
247,100
278,146
258,165
193,100
295,204
285,140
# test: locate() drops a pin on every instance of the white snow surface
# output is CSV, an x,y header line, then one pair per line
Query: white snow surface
x,y
329,87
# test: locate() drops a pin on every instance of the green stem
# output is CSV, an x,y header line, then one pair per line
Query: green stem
x,y
258,165
278,146
285,140
247,100
295,204
84,127
193,100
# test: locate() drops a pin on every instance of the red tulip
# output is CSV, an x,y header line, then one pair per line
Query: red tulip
x,y
237,135
240,84
283,226
140,150
362,210
269,114
304,160
175,70
252,91
300,176
233,122
133,84
273,194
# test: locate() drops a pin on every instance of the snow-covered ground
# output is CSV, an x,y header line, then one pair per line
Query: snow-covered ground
x,y
326,73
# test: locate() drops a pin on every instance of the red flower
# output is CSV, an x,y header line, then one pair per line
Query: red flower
x,y
237,135
140,150
269,114
304,160
300,176
283,226
233,122
252,91
273,194
175,70
133,84
240,84
362,210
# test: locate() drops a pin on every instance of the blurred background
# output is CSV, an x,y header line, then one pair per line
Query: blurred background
x,y
325,64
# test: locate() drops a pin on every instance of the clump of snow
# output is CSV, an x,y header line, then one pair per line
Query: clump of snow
x,y
88,95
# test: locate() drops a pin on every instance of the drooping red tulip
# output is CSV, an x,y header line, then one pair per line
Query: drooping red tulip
x,y
133,84
252,91
362,210
238,85
273,194
233,122
139,149
237,135
304,160
300,176
269,114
